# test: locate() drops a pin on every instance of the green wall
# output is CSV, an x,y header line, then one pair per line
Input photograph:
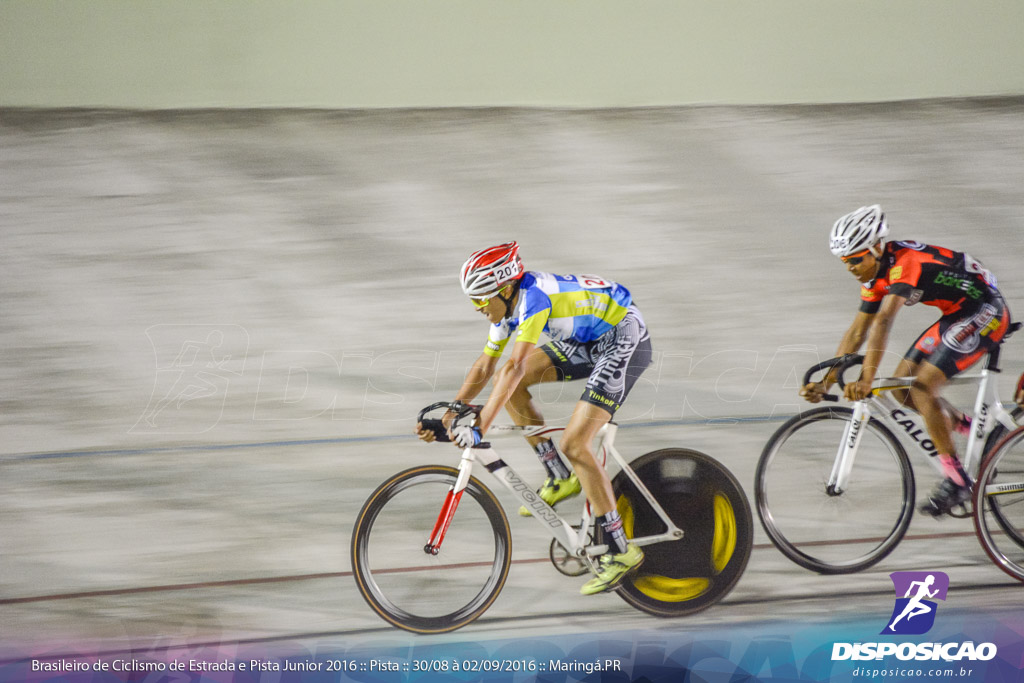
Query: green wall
x,y
572,53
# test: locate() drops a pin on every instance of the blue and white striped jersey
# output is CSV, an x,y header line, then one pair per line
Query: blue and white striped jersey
x,y
577,307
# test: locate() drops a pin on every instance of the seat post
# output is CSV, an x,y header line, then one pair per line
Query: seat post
x,y
993,359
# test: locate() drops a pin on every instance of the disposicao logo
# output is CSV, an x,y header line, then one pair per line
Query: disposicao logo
x,y
914,612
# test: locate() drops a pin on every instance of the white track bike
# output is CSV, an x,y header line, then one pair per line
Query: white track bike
x,y
834,487
432,548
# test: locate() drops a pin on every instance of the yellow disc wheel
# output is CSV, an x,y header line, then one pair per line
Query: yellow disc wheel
x,y
706,502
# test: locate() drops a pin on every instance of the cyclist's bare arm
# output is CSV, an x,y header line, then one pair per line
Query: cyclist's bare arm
x,y
508,379
878,339
850,343
476,379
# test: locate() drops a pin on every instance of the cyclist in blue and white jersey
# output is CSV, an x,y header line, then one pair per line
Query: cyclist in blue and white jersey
x,y
597,332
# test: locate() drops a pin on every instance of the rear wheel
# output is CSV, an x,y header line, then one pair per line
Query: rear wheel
x,y
702,498
995,438
412,588
999,504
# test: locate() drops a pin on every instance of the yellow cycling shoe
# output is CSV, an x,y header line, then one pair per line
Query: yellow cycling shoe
x,y
556,490
612,569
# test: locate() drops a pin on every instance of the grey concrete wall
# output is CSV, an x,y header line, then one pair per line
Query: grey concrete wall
x,y
594,53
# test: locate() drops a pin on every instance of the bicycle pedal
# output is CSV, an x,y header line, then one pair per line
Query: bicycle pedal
x,y
962,513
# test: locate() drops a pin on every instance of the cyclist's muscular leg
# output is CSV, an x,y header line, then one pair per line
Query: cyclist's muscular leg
x,y
559,484
905,368
955,488
908,368
924,396
930,380
521,407
622,557
576,444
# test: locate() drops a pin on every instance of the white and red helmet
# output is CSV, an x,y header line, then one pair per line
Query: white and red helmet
x,y
488,270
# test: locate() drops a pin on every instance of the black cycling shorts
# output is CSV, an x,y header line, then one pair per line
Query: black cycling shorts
x,y
959,340
611,363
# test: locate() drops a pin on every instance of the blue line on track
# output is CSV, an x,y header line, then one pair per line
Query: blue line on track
x,y
200,448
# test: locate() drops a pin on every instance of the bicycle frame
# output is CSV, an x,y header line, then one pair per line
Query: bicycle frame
x,y
988,412
571,539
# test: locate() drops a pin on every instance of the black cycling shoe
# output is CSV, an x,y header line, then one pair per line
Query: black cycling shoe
x,y
946,496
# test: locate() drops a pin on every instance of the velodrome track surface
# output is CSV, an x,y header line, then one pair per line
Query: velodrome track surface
x,y
218,327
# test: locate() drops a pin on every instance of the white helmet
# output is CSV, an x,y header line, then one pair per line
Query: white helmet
x,y
857,231
488,270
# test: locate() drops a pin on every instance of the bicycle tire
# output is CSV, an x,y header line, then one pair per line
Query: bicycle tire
x,y
994,440
1004,467
813,527
704,499
411,588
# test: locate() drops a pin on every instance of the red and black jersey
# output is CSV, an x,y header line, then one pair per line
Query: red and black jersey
x,y
934,276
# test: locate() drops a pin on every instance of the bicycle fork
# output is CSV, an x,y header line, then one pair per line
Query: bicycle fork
x,y
543,512
843,465
451,502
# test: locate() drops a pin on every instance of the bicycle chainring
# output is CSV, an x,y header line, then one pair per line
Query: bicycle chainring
x,y
565,562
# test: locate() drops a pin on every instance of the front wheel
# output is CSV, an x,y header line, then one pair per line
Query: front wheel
x,y
412,588
999,504
704,499
817,527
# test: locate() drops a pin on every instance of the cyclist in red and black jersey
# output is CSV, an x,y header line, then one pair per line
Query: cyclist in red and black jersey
x,y
974,320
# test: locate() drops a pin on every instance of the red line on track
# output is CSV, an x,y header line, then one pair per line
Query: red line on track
x,y
334,575
223,584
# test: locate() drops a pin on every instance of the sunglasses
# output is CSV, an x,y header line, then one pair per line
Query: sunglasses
x,y
855,259
480,304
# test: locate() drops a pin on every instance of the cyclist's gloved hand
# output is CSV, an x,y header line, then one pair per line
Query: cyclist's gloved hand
x,y
466,436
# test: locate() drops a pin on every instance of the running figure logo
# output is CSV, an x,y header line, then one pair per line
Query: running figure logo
x,y
195,365
914,613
